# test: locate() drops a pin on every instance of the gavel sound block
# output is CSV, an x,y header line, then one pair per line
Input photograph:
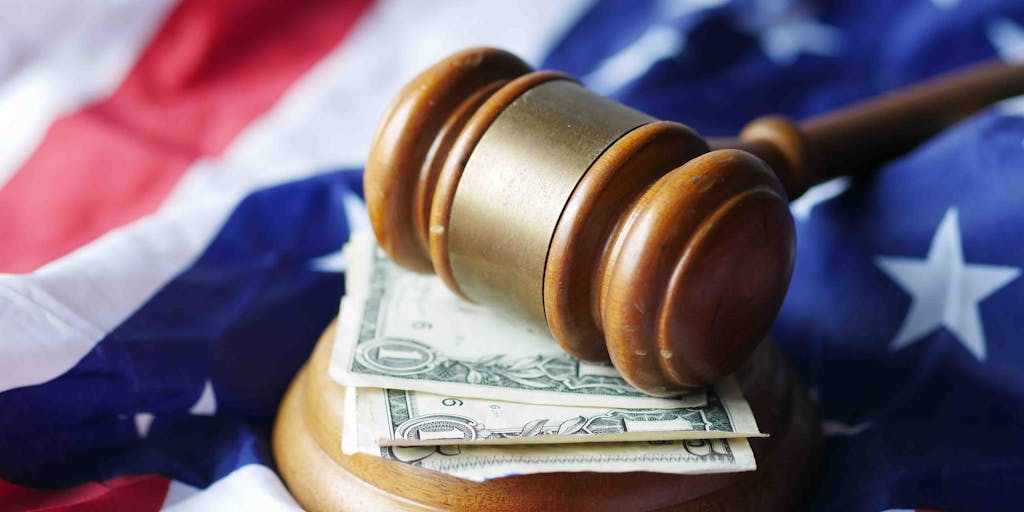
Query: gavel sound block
x,y
627,237
307,449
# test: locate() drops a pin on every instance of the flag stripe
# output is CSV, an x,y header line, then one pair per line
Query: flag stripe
x,y
211,68
127,493
228,339
76,58
137,337
51,318
159,246
58,313
250,487
327,119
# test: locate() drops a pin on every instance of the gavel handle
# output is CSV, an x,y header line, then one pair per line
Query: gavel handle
x,y
857,138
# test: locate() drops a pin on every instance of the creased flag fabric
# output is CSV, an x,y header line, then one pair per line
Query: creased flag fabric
x,y
177,179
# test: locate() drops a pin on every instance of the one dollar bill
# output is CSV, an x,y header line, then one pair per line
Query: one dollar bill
x,y
485,462
393,417
400,330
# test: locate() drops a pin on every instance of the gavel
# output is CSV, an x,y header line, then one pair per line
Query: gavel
x,y
628,238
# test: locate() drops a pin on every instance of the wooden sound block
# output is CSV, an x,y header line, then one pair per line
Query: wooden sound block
x,y
307,447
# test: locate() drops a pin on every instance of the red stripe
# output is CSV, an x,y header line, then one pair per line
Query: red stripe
x,y
126,493
211,68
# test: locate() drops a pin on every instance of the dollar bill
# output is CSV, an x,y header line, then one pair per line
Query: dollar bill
x,y
400,330
394,417
485,462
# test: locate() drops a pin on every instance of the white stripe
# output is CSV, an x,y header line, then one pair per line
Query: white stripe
x,y
58,56
327,119
178,492
51,318
252,487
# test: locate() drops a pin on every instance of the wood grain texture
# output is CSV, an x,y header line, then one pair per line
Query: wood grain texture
x,y
857,138
696,273
600,202
307,448
414,138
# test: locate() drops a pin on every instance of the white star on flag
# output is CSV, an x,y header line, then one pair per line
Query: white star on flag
x,y
1007,36
358,220
660,41
657,43
945,289
1012,107
834,428
330,263
785,29
143,420
206,404
820,193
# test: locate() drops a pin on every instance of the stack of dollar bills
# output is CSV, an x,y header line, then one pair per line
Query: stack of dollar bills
x,y
443,384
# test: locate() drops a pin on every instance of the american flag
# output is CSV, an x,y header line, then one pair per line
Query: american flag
x,y
177,179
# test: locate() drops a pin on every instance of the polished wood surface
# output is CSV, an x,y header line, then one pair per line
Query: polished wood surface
x,y
857,138
307,448
416,136
671,257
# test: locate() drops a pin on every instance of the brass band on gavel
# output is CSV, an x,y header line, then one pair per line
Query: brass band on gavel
x,y
516,184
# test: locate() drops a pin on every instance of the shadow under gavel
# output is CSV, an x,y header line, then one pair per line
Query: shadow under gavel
x,y
627,237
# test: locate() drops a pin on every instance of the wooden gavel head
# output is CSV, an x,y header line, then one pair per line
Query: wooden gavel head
x,y
623,235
